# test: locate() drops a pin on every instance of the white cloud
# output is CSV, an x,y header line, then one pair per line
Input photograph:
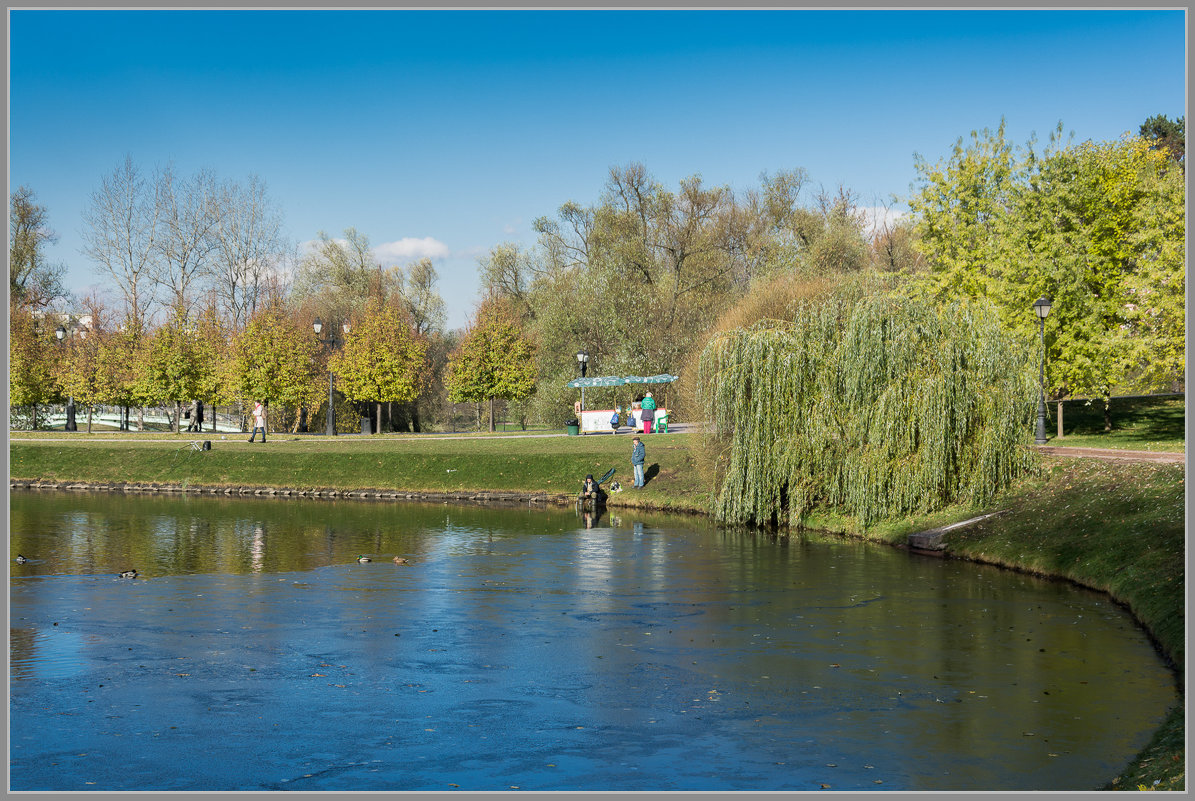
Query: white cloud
x,y
876,217
410,249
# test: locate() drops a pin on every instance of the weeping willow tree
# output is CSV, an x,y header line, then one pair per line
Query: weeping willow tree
x,y
876,406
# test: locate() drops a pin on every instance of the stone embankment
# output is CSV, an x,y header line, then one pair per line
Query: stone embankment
x,y
511,498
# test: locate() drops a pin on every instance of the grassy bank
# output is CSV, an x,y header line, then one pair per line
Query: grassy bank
x,y
553,465
1112,526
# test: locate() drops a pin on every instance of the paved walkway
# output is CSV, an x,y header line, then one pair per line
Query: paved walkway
x,y
1113,454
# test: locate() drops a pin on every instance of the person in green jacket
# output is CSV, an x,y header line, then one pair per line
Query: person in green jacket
x,y
649,412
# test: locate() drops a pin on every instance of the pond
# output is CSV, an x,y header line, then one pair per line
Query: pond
x,y
540,650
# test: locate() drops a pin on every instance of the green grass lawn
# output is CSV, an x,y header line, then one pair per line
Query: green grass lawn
x,y
425,463
1140,423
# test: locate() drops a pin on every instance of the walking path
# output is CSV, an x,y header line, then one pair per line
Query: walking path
x,y
1112,454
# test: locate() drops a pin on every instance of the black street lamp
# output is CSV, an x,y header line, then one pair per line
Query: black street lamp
x,y
1042,307
331,341
583,360
60,332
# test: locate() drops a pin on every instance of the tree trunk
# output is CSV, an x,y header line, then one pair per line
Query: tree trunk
x,y
33,424
89,419
1059,419
1107,415
378,430
491,415
178,415
140,418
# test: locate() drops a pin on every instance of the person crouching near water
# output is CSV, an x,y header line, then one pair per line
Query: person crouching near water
x,y
591,491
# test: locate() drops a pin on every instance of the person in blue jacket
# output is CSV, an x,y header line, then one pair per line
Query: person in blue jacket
x,y
638,456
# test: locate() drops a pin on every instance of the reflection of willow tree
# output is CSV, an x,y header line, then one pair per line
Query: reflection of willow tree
x,y
875,407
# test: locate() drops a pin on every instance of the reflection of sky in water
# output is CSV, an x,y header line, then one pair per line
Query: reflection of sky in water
x,y
643,654
42,653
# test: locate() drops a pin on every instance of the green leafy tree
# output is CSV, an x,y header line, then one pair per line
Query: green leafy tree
x,y
117,354
961,208
79,368
31,356
1096,226
1165,133
273,359
178,364
493,360
382,360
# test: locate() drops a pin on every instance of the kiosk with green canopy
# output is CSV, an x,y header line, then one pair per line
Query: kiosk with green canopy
x,y
599,419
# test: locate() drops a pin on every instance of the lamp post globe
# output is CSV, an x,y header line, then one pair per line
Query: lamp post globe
x,y
1041,307
329,342
60,334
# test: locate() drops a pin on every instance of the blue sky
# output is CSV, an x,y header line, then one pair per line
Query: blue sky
x,y
447,132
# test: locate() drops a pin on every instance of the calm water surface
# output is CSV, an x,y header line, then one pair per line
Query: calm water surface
x,y
524,649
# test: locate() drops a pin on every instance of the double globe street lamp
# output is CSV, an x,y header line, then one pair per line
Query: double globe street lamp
x,y
60,333
583,361
1042,307
331,341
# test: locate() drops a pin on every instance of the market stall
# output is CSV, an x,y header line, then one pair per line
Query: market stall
x,y
598,420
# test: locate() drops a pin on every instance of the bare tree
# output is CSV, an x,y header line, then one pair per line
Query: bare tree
x,y
510,272
249,248
187,238
32,281
420,297
342,274
121,236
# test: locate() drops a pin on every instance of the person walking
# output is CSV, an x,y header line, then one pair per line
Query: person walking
x,y
614,421
638,456
195,417
259,421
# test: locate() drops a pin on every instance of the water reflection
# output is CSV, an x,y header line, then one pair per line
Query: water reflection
x,y
544,650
